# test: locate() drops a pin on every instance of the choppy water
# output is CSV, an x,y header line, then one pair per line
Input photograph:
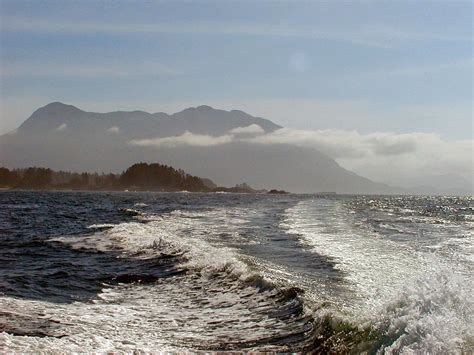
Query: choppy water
x,y
175,271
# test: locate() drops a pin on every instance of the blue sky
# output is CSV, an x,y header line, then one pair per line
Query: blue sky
x,y
370,66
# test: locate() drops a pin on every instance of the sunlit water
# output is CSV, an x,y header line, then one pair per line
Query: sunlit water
x,y
177,271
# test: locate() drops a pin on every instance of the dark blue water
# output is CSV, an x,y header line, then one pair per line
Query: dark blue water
x,y
88,271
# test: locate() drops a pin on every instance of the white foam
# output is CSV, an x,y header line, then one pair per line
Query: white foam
x,y
156,317
209,305
173,315
431,315
374,267
88,328
419,298
178,231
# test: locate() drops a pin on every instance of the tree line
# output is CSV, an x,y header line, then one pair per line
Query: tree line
x,y
141,176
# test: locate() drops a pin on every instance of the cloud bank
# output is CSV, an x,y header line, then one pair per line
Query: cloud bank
x,y
186,139
252,129
387,157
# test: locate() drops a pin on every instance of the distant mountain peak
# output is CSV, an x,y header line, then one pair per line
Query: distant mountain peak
x,y
205,108
199,109
55,109
56,103
209,110
54,113
54,106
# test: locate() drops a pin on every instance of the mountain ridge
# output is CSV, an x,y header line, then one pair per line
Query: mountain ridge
x,y
64,137
55,114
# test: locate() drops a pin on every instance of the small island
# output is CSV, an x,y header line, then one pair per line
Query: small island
x,y
278,192
138,177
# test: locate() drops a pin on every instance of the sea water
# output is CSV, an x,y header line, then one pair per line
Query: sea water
x,y
98,271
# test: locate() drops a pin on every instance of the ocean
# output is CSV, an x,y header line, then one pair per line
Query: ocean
x,y
145,271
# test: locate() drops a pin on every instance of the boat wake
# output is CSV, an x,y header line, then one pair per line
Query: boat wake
x,y
317,276
191,296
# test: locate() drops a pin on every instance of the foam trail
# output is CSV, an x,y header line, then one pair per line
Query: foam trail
x,y
416,300
244,273
374,267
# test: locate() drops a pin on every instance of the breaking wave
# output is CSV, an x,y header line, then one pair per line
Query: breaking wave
x,y
193,296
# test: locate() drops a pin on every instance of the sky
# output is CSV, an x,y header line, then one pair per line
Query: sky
x,y
355,67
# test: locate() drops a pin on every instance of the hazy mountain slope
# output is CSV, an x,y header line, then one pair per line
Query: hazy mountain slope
x,y
64,137
271,166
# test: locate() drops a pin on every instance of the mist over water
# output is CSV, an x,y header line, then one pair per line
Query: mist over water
x,y
179,271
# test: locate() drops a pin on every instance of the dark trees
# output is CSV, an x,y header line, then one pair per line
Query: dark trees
x,y
159,177
140,176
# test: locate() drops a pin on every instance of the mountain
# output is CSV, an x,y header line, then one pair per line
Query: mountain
x,y
139,124
62,136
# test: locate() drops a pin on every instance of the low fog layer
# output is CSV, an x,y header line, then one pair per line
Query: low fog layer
x,y
232,147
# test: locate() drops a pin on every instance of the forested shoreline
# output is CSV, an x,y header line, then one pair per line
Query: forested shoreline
x,y
138,177
141,176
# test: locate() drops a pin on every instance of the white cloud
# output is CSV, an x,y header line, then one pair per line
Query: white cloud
x,y
334,143
186,139
386,157
61,127
431,156
113,129
200,140
342,144
393,144
252,129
